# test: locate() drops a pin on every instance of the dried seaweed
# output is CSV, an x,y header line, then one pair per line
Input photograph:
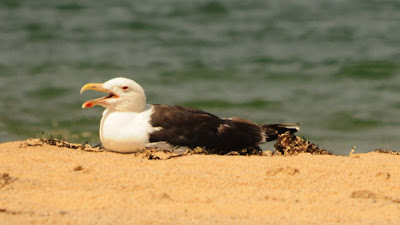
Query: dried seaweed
x,y
160,154
382,150
286,144
157,154
62,144
289,144
6,179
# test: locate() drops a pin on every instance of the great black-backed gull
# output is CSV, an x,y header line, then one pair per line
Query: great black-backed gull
x,y
130,124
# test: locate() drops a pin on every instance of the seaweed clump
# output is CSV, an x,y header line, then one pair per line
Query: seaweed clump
x,y
6,179
290,144
286,144
160,154
381,150
62,144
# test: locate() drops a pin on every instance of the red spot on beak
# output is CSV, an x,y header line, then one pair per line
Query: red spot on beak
x,y
89,105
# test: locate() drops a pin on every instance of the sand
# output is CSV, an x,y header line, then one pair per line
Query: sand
x,y
57,185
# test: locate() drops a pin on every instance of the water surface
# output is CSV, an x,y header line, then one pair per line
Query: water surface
x,y
333,65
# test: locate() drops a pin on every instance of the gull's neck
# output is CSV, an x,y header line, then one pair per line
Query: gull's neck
x,y
133,104
113,110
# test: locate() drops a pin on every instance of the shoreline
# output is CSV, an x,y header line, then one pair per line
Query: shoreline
x,y
59,185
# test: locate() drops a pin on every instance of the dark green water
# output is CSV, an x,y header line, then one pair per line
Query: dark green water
x,y
333,65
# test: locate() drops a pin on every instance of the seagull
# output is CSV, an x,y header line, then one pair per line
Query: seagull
x,y
129,124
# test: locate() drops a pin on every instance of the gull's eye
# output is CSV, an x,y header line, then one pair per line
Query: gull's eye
x,y
125,88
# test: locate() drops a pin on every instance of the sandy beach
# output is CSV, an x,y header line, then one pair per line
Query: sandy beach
x,y
45,184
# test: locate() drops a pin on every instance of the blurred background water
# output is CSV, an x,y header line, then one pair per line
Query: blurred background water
x,y
333,65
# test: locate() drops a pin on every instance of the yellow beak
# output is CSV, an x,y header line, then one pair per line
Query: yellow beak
x,y
93,87
98,101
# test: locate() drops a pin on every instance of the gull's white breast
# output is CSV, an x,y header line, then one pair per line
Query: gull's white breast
x,y
126,131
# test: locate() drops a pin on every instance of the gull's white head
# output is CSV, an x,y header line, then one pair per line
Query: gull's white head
x,y
123,95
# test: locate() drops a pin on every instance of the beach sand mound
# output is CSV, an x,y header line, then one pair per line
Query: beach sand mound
x,y
286,144
56,182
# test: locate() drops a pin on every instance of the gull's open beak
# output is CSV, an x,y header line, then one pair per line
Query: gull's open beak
x,y
94,87
97,101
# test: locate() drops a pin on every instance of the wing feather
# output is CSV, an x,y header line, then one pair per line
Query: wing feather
x,y
183,126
